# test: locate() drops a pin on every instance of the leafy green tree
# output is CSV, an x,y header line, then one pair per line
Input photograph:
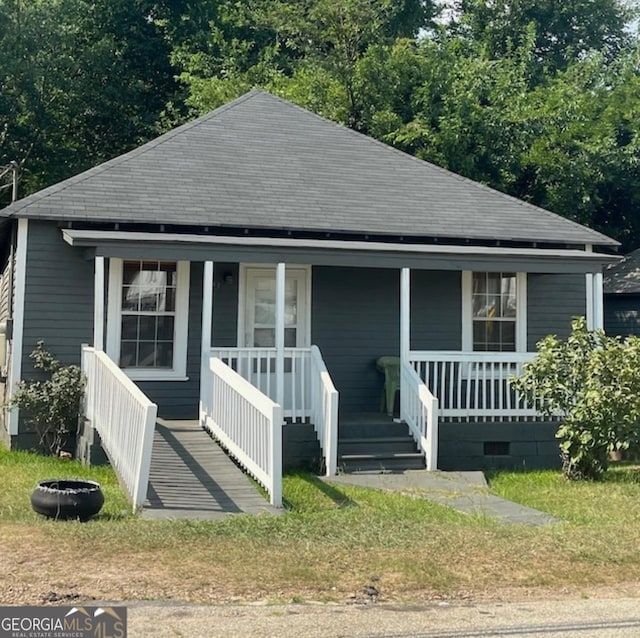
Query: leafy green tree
x,y
462,112
593,382
581,156
563,31
80,82
307,51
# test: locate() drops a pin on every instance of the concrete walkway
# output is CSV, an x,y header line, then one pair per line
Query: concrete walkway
x,y
192,478
465,492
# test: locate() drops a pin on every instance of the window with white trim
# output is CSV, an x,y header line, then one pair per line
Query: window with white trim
x,y
494,311
148,315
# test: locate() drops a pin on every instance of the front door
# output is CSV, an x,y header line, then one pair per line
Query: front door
x,y
259,316
257,329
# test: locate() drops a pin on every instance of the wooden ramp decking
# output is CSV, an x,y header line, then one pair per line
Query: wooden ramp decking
x,y
192,478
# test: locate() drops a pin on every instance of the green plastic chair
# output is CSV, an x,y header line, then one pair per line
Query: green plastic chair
x,y
390,367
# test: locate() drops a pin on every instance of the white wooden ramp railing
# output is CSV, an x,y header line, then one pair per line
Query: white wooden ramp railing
x,y
309,393
246,422
419,409
258,367
125,419
324,410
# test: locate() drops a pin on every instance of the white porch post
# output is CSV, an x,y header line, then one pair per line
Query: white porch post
x,y
405,327
280,294
98,304
207,306
598,304
207,315
589,284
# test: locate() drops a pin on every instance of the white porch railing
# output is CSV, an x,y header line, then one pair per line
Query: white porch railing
x,y
125,419
309,393
475,385
419,409
246,422
324,409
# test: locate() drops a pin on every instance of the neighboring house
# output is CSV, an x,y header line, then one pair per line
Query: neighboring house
x,y
622,296
259,230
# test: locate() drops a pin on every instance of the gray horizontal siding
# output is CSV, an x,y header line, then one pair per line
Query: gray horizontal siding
x,y
225,306
552,302
354,321
355,317
58,305
622,315
436,310
59,310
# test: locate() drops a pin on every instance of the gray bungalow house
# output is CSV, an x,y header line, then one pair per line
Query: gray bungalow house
x,y
251,267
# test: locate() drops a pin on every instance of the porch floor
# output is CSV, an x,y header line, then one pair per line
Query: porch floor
x,y
192,478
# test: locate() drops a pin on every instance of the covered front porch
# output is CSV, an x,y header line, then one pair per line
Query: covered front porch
x,y
358,301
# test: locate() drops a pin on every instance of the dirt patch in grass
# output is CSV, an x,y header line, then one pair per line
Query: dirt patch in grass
x,y
470,563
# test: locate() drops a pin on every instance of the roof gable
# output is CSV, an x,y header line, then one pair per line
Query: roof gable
x,y
262,162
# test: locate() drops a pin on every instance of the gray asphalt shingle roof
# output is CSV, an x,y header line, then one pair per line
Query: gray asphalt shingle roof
x,y
623,276
263,162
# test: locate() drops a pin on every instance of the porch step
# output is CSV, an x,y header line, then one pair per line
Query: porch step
x,y
377,445
375,428
380,463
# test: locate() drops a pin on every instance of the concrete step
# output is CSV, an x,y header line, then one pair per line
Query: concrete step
x,y
380,463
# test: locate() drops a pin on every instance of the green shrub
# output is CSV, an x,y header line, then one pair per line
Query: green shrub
x,y
52,407
593,382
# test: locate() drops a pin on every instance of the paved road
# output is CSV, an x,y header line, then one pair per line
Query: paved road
x,y
585,618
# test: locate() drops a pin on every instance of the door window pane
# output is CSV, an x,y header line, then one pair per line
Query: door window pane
x,y
261,312
290,337
264,337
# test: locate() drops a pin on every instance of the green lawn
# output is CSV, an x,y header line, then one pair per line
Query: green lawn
x,y
331,542
21,471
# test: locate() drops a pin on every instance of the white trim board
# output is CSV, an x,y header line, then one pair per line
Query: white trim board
x,y
20,283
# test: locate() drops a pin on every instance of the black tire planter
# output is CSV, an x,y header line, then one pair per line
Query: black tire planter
x,y
65,499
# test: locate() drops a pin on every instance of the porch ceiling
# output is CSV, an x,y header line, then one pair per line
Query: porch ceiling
x,y
142,245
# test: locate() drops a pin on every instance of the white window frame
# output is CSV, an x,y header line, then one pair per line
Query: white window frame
x,y
270,269
178,372
467,311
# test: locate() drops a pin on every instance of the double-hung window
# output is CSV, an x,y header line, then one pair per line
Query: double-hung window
x,y
148,314
494,311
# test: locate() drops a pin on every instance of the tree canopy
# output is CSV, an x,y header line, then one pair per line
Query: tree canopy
x,y
539,99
